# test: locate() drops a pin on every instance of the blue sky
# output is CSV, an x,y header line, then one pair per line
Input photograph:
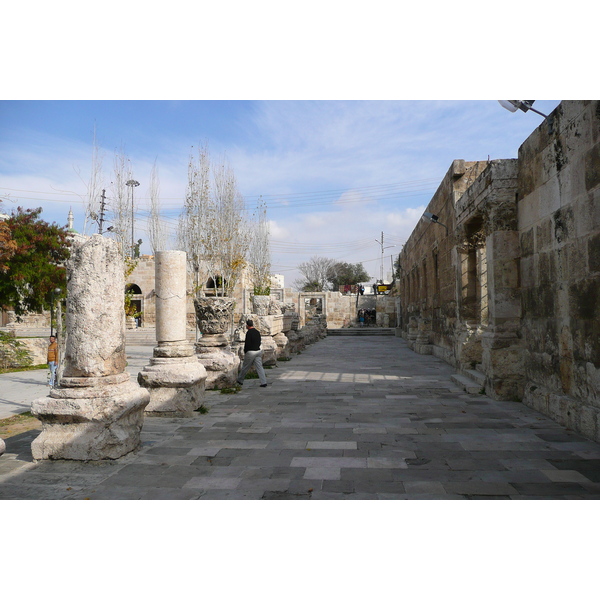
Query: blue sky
x,y
334,174
345,120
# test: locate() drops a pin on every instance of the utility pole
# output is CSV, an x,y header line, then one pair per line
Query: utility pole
x,y
102,206
382,249
132,183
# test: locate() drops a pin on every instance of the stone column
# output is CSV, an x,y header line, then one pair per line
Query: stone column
x,y
96,412
175,378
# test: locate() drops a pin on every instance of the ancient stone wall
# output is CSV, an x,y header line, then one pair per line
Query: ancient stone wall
x,y
511,292
427,284
487,253
559,231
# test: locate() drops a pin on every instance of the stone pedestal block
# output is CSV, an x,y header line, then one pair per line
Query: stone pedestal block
x,y
269,348
296,341
283,346
220,362
95,422
176,385
268,325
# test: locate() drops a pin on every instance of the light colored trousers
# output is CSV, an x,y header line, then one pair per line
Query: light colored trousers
x,y
252,357
52,365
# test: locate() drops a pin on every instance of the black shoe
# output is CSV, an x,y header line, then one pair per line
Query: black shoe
x,y
263,385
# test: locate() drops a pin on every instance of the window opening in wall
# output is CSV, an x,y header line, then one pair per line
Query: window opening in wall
x,y
214,287
474,288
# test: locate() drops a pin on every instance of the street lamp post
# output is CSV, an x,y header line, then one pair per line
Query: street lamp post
x,y
54,291
382,249
132,183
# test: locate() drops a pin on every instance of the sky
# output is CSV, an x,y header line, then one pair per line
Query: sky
x,y
335,175
344,121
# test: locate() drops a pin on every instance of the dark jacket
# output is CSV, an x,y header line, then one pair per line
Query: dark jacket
x,y
252,340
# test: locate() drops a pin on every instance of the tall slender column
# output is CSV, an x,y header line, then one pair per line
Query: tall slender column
x,y
175,377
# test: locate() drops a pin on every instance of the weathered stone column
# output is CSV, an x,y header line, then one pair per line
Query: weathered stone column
x,y
175,378
96,412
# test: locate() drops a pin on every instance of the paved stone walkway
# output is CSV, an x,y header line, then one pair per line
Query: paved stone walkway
x,y
349,418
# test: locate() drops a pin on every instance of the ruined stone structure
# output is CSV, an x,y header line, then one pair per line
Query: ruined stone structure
x,y
279,326
175,378
96,412
215,319
507,290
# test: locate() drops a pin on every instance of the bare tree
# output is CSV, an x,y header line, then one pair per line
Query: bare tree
x,y
226,232
190,234
120,203
212,228
259,253
157,231
94,186
316,273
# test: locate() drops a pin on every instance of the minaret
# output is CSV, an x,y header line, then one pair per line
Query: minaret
x,y
70,221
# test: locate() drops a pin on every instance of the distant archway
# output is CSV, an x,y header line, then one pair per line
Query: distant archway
x,y
137,301
214,284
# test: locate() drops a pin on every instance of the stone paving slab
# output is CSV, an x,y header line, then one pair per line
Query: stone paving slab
x,y
348,419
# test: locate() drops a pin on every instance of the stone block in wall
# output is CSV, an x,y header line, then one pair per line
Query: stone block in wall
x,y
592,167
527,242
593,253
583,299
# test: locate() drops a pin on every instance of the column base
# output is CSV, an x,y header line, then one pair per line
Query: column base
x,y
176,386
90,423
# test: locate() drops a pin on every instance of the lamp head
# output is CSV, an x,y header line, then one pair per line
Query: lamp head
x,y
427,216
514,105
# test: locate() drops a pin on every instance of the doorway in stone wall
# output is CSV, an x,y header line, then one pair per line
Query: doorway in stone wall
x,y
136,302
313,307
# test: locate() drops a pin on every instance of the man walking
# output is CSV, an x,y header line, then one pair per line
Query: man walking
x,y
252,355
